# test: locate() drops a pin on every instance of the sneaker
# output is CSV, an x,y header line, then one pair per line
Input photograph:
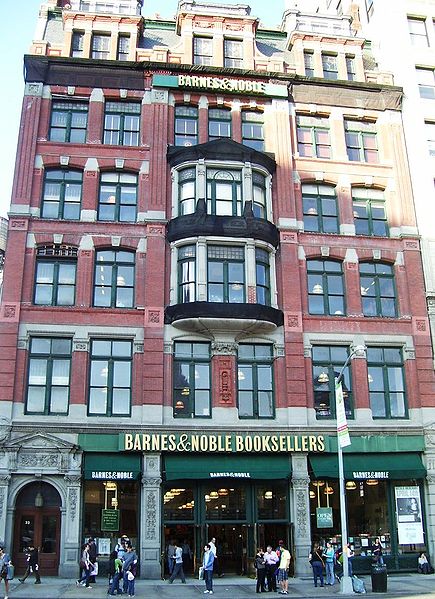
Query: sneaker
x,y
21,579
211,592
206,592
36,581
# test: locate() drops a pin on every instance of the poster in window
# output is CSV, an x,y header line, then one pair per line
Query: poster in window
x,y
409,516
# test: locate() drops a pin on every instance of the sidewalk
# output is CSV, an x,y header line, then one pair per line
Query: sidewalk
x,y
231,587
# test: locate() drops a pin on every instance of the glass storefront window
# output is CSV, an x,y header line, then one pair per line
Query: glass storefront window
x,y
271,502
224,503
178,504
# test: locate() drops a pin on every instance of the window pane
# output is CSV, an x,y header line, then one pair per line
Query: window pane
x,y
59,400
121,401
246,404
202,403
121,374
35,399
265,404
98,401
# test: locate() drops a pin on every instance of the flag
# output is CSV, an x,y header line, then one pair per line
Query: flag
x,y
342,428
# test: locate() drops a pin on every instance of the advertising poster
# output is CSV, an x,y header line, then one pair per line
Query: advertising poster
x,y
409,516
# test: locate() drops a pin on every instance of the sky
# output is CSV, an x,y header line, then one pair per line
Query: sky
x,y
18,23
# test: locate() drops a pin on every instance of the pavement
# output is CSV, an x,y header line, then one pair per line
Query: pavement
x,y
231,587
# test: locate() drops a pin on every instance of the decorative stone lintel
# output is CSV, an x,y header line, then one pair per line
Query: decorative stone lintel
x,y
151,482
300,483
220,348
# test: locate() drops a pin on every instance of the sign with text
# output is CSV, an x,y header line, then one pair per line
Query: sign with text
x,y
222,84
110,520
409,517
324,517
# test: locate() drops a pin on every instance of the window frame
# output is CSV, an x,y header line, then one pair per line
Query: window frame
x,y
49,358
378,277
193,359
110,360
233,46
320,197
385,365
417,37
314,126
216,177
70,177
332,367
119,186
253,129
360,144
262,263
101,53
426,89
350,67
123,54
182,281
55,285
309,63
200,56
77,44
190,139
255,365
221,118
361,198
115,264
123,112
226,283
71,109
330,66
324,279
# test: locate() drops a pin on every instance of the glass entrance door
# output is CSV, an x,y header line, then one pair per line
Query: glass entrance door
x,y
38,527
232,547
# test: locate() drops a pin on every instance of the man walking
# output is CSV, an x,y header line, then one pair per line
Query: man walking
x,y
271,559
178,567
284,565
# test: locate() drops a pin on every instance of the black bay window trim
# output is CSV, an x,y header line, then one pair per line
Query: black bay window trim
x,y
223,310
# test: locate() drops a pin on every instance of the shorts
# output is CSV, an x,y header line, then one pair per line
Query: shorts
x,y
282,575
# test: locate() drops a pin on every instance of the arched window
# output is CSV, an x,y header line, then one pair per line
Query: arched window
x,y
224,192
378,290
325,287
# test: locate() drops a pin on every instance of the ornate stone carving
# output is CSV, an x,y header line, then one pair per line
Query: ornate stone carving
x,y
5,479
81,346
151,515
5,428
300,483
151,482
73,479
301,513
2,501
72,503
42,460
219,348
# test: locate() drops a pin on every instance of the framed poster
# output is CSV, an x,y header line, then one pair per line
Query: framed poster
x,y
409,516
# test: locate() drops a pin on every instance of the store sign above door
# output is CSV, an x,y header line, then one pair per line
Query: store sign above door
x,y
221,84
371,474
225,443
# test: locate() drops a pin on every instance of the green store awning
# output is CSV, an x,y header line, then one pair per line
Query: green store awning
x,y
227,466
393,466
111,466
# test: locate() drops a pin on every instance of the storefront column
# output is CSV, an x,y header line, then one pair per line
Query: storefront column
x,y
150,526
429,458
4,492
300,511
71,526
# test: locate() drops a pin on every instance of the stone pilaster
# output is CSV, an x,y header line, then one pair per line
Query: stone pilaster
x,y
300,510
429,462
150,533
4,491
71,526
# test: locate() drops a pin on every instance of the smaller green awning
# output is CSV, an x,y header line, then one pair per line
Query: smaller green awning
x,y
393,466
227,466
111,466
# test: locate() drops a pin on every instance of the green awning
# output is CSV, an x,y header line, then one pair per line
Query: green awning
x,y
227,466
363,466
111,466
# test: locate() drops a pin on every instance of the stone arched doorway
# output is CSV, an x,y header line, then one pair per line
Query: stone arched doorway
x,y
37,523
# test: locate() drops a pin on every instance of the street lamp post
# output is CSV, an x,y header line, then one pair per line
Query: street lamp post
x,y
346,586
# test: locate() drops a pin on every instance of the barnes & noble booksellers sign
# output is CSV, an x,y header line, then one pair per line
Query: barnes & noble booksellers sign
x,y
225,442
221,84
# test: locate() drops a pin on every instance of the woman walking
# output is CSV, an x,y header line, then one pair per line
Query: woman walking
x,y
316,562
85,567
329,554
4,563
207,564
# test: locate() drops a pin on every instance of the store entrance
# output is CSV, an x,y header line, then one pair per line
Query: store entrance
x,y
184,535
232,547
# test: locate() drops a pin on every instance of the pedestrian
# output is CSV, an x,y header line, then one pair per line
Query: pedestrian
x,y
350,554
207,564
120,547
170,555
178,567
216,564
187,556
129,570
4,569
85,567
423,564
271,559
317,564
284,564
115,573
260,566
377,552
92,558
329,555
32,564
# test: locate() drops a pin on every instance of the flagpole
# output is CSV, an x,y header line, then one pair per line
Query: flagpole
x,y
343,440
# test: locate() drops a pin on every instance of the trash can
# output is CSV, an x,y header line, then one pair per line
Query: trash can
x,y
379,578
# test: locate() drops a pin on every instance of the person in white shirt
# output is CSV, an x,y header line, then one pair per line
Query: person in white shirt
x,y
271,559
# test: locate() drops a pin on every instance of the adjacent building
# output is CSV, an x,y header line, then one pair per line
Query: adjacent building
x,y
210,221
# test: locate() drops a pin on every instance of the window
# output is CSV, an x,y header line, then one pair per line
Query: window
x,y
259,195
114,279
262,268
186,191
327,363
55,281
350,67
62,194
378,291
325,287
361,141
78,38
100,46
224,192
123,49
233,54
313,136
430,135
186,125
186,274
192,386
69,121
253,130
226,274
84,5
118,197
255,381
426,83
309,63
369,212
203,50
110,378
320,208
417,32
219,123
49,376
330,66
386,379
122,123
